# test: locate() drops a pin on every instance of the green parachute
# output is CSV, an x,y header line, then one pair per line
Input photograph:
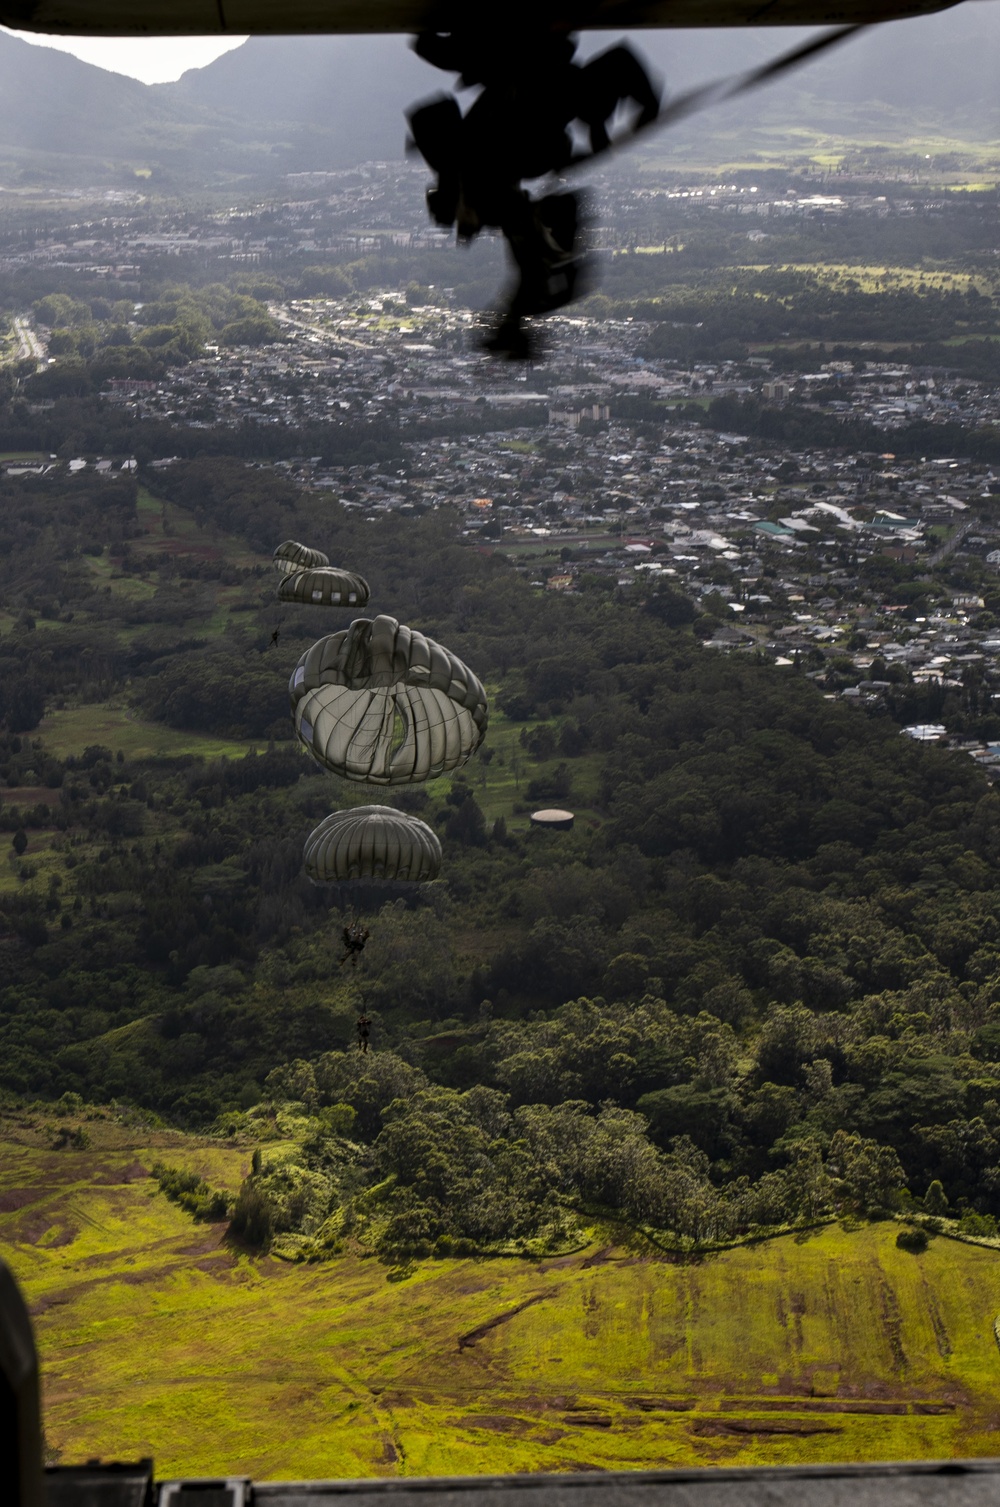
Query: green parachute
x,y
376,703
324,586
292,556
382,704
372,845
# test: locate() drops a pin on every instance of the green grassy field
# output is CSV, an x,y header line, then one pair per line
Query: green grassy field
x,y
945,162
157,1339
116,726
870,278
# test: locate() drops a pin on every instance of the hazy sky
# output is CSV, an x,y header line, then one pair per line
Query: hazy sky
x,y
155,60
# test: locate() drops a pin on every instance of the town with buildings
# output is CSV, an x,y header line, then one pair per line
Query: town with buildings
x,y
602,466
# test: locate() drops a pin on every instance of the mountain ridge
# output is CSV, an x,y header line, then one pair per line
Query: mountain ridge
x,y
281,104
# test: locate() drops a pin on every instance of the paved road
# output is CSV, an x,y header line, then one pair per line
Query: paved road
x,y
28,342
951,544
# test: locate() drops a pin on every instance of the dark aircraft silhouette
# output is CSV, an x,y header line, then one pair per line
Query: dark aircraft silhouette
x,y
520,127
188,18
535,105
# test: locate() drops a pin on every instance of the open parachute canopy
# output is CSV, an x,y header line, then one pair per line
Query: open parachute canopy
x,y
292,556
372,845
380,703
324,586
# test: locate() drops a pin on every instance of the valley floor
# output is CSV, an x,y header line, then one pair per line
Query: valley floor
x,y
158,1339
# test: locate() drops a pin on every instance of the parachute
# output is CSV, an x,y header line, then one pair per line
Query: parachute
x,y
291,556
381,703
372,845
375,703
324,586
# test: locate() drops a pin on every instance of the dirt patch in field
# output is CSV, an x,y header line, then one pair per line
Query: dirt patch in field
x,y
710,1427
179,547
44,1304
811,1405
665,1404
12,1199
118,1176
473,1336
30,795
498,1423
30,1231
214,1241
66,1234
599,1258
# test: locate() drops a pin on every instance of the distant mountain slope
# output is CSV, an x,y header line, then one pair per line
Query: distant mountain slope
x,y
52,102
320,81
283,104
948,63
354,90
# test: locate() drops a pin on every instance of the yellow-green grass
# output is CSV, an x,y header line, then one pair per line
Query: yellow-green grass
x,y
719,157
40,861
874,278
722,152
502,784
130,588
8,619
116,726
156,1338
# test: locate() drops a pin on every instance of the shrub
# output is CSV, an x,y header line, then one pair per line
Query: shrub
x,y
913,1240
253,1218
983,1225
192,1193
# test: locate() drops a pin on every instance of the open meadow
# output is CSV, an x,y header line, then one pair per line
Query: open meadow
x,y
157,1338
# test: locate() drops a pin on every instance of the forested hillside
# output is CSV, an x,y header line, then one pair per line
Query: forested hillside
x,y
760,980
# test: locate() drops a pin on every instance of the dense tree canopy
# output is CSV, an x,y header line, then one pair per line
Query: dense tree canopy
x,y
761,981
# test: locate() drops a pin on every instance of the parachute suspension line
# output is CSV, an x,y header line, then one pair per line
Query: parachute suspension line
x,y
364,1030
